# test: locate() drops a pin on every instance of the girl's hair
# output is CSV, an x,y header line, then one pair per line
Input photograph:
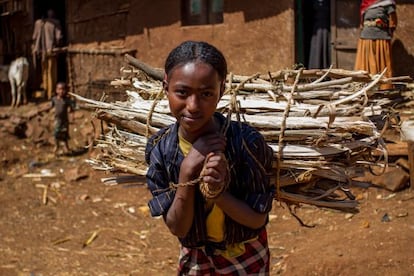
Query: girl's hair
x,y
190,51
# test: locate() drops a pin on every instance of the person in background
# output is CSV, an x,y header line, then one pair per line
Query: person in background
x,y
378,23
221,231
320,46
62,104
47,36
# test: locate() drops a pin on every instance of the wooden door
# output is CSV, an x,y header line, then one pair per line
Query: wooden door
x,y
344,32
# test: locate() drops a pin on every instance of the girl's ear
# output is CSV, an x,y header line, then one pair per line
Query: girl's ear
x,y
222,87
165,83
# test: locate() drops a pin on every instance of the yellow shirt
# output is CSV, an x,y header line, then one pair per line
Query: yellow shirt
x,y
215,219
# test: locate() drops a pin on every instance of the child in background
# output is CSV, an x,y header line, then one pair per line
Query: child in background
x,y
62,104
224,232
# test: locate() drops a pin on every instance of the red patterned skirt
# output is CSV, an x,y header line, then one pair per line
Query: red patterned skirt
x,y
255,260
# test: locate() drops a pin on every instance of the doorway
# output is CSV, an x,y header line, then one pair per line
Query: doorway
x,y
343,27
313,36
345,32
40,8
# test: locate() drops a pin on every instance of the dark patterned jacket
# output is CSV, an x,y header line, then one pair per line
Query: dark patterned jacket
x,y
250,161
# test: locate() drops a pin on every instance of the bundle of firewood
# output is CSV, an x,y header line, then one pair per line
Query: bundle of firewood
x,y
316,121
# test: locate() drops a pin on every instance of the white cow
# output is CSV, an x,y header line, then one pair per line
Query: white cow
x,y
18,75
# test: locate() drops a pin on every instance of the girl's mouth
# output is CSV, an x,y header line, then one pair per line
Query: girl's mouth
x,y
190,119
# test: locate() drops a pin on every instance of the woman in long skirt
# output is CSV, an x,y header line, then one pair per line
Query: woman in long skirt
x,y
378,22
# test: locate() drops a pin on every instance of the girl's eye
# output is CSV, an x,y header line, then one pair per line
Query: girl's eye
x,y
207,94
181,93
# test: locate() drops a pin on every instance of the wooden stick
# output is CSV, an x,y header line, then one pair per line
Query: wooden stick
x,y
98,51
324,75
281,143
131,125
287,88
154,73
44,196
362,91
91,239
343,204
411,161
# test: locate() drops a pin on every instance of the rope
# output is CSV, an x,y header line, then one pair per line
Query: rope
x,y
159,96
281,143
207,191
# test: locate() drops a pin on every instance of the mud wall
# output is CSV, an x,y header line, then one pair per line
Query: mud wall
x,y
255,37
403,42
91,71
15,40
16,31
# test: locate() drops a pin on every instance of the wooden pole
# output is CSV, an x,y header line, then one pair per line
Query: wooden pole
x,y
411,161
407,132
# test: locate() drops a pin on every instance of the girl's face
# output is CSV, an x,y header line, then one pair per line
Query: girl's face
x,y
193,91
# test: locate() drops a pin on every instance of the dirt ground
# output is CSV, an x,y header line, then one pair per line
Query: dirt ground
x,y
58,218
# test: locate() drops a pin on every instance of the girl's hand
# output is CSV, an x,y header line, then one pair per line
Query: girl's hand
x,y
209,143
194,161
215,172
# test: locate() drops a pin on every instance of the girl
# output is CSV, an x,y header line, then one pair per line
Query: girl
x,y
222,233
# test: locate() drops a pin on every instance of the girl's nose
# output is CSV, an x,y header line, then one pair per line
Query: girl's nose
x,y
193,103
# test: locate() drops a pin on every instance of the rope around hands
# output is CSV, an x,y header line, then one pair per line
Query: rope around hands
x,y
206,190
